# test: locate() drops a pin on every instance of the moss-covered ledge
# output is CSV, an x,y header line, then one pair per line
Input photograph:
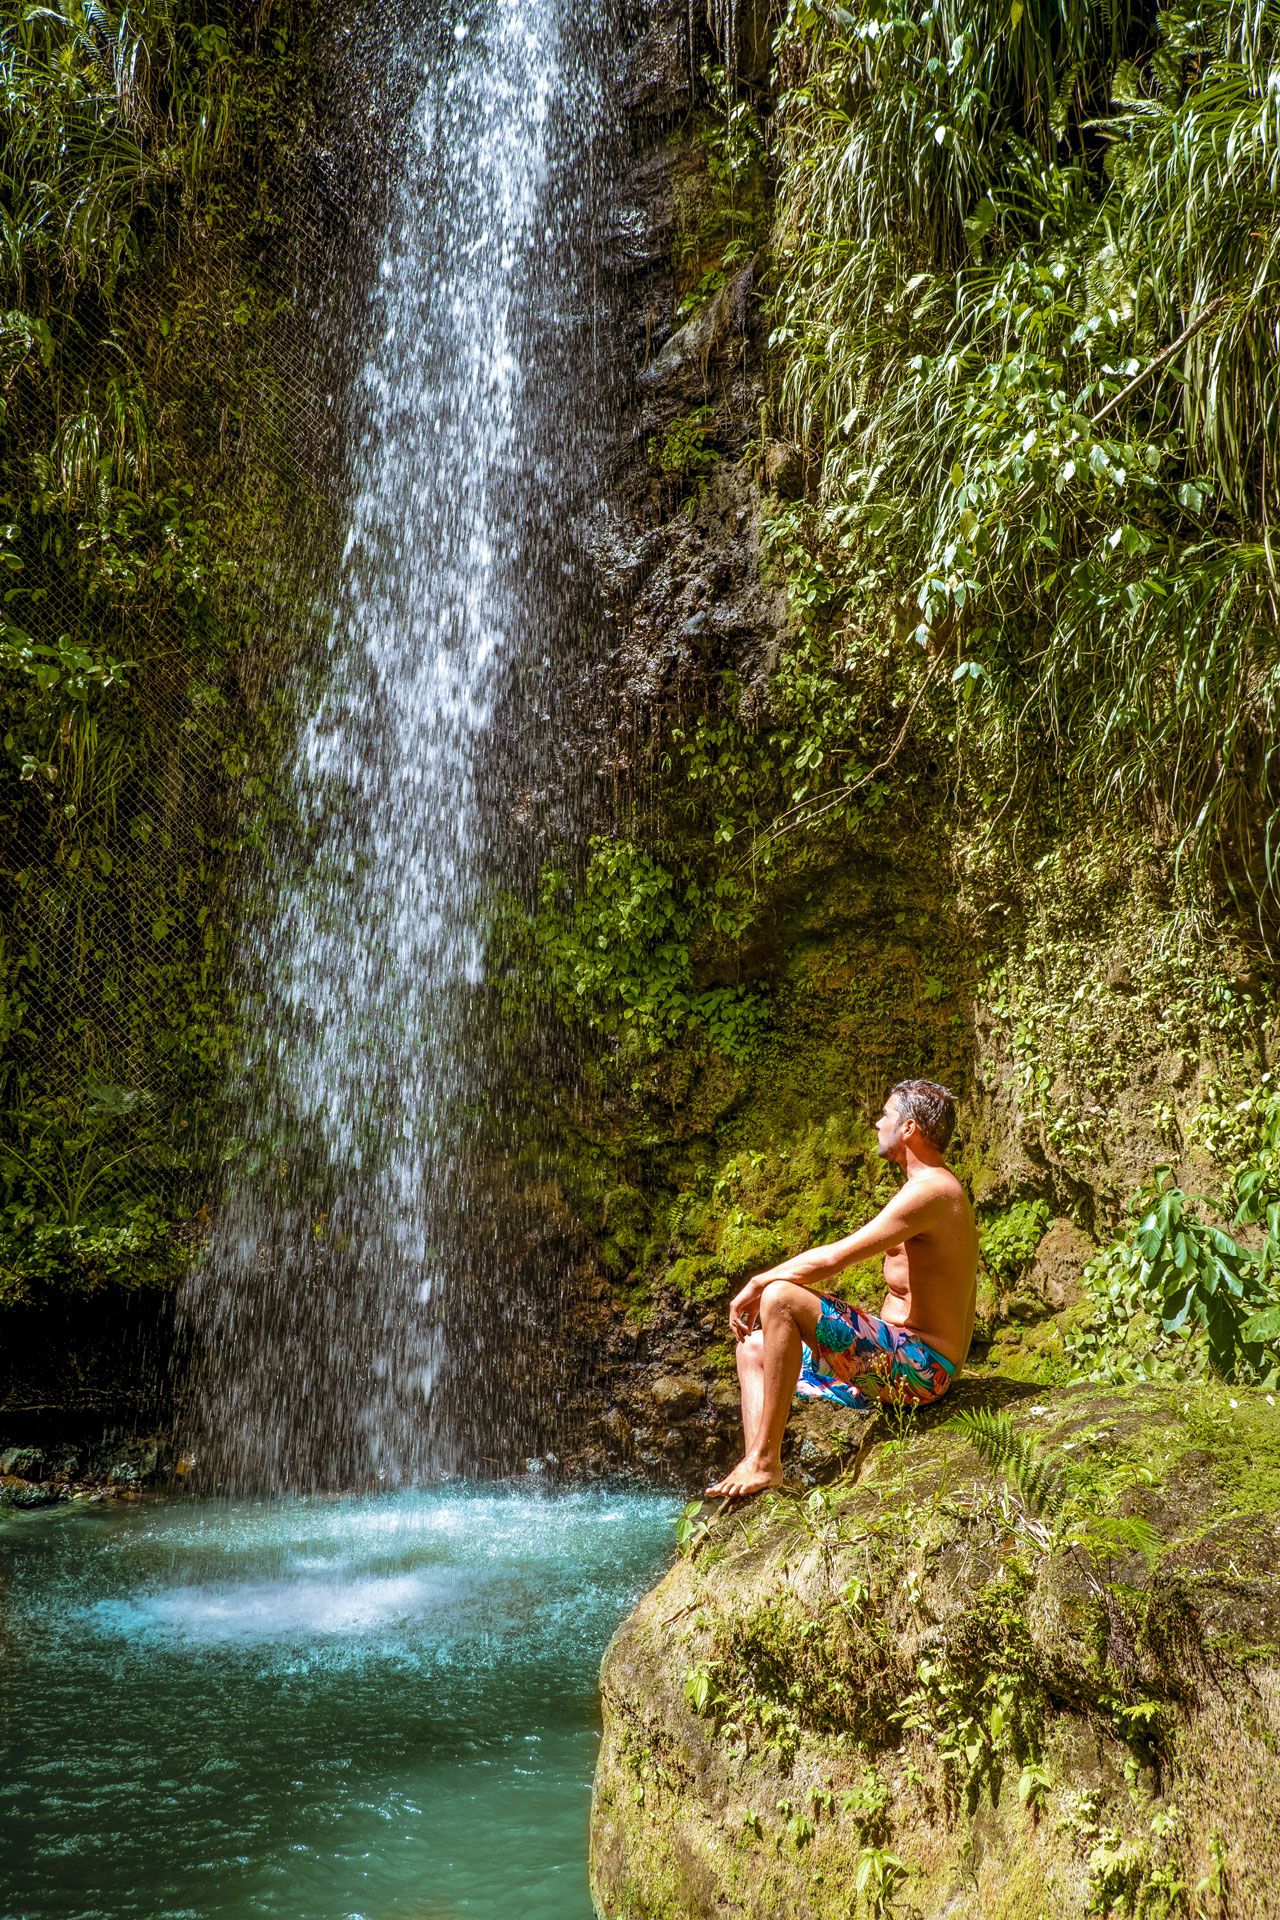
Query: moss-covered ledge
x,y
946,1684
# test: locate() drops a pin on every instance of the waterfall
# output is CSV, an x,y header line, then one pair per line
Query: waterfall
x,y
722,19
357,1260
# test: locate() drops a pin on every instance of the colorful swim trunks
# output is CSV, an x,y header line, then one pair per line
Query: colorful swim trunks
x,y
890,1362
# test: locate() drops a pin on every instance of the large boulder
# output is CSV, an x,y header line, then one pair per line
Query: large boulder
x,y
25,1463
1031,1675
15,1492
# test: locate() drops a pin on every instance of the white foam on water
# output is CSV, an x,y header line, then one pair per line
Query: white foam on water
x,y
246,1612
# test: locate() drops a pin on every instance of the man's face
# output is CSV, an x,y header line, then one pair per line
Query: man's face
x,y
889,1129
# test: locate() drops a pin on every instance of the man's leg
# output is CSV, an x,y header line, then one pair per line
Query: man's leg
x,y
788,1317
750,1357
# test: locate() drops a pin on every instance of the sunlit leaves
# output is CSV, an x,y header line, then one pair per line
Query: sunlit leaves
x,y
1041,391
1190,1279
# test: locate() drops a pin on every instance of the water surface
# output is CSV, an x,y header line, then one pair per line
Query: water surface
x,y
321,1709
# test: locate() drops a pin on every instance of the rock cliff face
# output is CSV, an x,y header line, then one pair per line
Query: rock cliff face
x,y
1051,979
1028,1674
1029,1670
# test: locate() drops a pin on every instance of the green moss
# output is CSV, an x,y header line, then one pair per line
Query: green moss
x,y
747,1245
1027,1894
1102,1020
1034,1353
1239,1431
697,1277
626,1220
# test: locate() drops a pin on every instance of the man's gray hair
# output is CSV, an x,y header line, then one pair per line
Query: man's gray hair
x,y
933,1108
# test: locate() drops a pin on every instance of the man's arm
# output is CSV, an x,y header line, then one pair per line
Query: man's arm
x,y
909,1212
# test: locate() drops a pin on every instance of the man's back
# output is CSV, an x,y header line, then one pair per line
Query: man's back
x,y
931,1276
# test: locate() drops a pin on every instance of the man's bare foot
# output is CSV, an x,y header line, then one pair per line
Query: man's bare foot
x,y
744,1480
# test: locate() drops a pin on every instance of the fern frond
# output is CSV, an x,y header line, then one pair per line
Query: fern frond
x,y
1000,1446
1107,1533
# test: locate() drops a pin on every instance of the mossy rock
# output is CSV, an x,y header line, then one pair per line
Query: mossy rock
x,y
907,1666
625,1216
697,1277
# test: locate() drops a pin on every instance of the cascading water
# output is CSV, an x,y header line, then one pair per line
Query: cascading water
x,y
383,1702
356,1230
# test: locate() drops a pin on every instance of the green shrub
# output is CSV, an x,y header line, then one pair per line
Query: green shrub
x,y
1024,268
1009,1239
132,1250
1181,1293
683,451
615,949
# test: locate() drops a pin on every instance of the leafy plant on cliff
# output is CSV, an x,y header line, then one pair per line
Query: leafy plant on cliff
x,y
994,1438
878,1877
1180,1291
616,950
1009,1239
136,144
1021,332
63,1157
722,209
683,450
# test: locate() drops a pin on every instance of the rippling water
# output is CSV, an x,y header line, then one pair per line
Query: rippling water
x,y
320,1709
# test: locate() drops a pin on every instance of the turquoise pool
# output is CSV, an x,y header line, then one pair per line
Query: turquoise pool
x,y
339,1709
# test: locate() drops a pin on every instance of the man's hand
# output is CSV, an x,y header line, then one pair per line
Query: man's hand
x,y
744,1308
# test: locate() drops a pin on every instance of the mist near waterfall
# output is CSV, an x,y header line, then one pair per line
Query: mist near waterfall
x,y
360,1319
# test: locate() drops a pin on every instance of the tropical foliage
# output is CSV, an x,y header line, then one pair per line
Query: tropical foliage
x,y
618,948
134,351
1026,327
1023,311
1180,1291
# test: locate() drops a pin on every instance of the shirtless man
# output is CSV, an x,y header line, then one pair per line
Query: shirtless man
x,y
908,1356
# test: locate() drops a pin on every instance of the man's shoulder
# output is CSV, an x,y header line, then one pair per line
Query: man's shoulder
x,y
939,1178
938,1184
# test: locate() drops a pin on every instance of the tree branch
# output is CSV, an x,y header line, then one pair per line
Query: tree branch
x,y
1163,358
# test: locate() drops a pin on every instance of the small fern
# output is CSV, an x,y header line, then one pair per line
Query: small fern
x,y
1105,1534
1048,1497
1001,1447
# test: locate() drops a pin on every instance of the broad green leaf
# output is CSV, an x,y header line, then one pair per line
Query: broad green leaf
x,y
1262,1328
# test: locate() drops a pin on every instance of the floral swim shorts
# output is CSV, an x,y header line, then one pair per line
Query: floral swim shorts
x,y
890,1362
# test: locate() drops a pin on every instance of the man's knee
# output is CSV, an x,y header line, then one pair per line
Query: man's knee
x,y
784,1303
751,1350
780,1300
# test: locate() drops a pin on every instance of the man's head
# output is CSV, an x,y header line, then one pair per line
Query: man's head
x,y
918,1110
